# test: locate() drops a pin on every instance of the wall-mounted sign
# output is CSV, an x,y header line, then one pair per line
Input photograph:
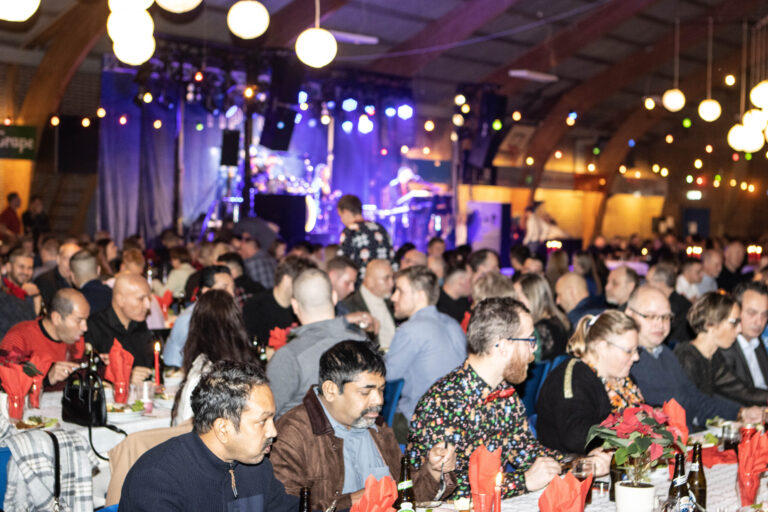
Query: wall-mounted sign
x,y
17,142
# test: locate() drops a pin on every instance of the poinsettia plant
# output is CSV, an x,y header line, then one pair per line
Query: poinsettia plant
x,y
16,356
279,337
641,437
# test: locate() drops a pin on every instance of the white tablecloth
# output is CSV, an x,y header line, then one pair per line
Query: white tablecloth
x,y
721,493
103,438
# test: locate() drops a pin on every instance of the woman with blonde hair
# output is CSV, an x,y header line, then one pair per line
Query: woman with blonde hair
x,y
593,384
557,266
551,324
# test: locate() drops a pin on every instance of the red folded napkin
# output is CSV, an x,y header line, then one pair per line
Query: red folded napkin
x,y
753,458
379,496
118,370
484,466
165,301
565,494
712,456
676,419
42,363
465,320
16,383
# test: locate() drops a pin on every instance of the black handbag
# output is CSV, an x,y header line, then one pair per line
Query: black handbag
x,y
83,401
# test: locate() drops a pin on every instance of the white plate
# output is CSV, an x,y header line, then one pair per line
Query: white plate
x,y
162,403
171,381
124,417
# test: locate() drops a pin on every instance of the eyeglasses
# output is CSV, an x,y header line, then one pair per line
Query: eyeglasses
x,y
530,339
668,317
628,351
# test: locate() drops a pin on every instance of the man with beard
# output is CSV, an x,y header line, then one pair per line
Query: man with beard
x,y
476,404
220,465
337,432
18,281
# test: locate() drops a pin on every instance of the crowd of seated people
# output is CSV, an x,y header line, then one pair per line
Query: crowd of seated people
x,y
633,322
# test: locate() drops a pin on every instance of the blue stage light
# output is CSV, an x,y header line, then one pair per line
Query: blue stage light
x,y
364,124
390,112
303,96
312,123
631,143
573,115
297,119
331,105
347,126
370,110
405,112
349,105
280,125
231,111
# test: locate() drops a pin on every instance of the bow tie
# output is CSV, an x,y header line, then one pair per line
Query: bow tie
x,y
496,395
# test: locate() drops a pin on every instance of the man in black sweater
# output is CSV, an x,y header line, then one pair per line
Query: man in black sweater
x,y
220,465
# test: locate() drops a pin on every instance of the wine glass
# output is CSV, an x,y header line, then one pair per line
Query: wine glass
x,y
582,469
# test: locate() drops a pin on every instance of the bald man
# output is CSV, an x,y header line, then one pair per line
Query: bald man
x,y
573,297
658,373
373,297
125,321
412,258
58,335
294,368
58,277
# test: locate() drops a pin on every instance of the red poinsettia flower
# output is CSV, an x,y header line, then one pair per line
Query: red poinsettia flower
x,y
656,451
279,337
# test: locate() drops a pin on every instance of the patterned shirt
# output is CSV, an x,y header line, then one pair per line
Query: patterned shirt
x,y
455,409
261,268
363,242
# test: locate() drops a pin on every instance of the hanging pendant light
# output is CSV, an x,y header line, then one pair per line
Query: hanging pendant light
x,y
178,6
674,99
119,5
130,25
709,109
316,47
134,51
248,19
735,137
18,10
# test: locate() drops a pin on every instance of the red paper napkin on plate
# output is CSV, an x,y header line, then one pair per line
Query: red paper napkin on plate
x,y
565,494
120,364
484,466
379,496
712,456
16,383
753,459
165,301
676,418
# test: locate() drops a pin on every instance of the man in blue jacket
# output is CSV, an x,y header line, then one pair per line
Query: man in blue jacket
x,y
220,465
658,372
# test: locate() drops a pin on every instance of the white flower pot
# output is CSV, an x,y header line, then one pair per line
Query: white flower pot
x,y
634,499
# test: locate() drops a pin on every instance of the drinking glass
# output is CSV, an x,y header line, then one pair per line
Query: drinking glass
x,y
582,469
482,502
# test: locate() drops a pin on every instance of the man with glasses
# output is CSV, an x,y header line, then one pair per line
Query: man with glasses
x,y
476,404
658,372
748,358
425,347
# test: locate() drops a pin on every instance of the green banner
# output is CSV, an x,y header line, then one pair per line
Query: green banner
x,y
17,142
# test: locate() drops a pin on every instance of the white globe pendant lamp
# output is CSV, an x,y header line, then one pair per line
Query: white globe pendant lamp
x,y
673,100
248,19
755,119
735,137
134,51
316,47
131,5
710,110
178,6
752,140
759,95
18,10
130,25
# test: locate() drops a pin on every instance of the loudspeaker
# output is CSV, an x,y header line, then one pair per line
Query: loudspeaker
x,y
287,76
487,140
288,212
70,147
230,144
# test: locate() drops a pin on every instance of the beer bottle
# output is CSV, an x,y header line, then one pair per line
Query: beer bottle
x,y
305,499
696,479
678,489
405,485
150,273
617,475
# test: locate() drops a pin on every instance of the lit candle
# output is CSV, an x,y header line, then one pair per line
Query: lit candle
x,y
497,493
157,363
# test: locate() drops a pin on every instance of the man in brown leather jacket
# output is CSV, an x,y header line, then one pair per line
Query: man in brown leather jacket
x,y
335,439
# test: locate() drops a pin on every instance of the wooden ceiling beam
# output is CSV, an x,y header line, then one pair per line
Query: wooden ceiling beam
x,y
453,27
591,92
567,42
294,18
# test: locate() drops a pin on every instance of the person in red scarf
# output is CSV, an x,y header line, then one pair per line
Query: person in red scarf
x,y
18,281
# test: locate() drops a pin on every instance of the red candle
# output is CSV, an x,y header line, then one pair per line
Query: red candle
x,y
497,493
157,363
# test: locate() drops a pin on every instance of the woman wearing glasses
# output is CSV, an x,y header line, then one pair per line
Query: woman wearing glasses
x,y
715,318
585,390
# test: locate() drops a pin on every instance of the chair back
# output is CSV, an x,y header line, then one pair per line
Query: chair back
x,y
391,396
5,455
559,360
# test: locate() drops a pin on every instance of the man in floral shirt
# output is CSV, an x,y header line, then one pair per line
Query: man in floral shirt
x,y
361,240
476,404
